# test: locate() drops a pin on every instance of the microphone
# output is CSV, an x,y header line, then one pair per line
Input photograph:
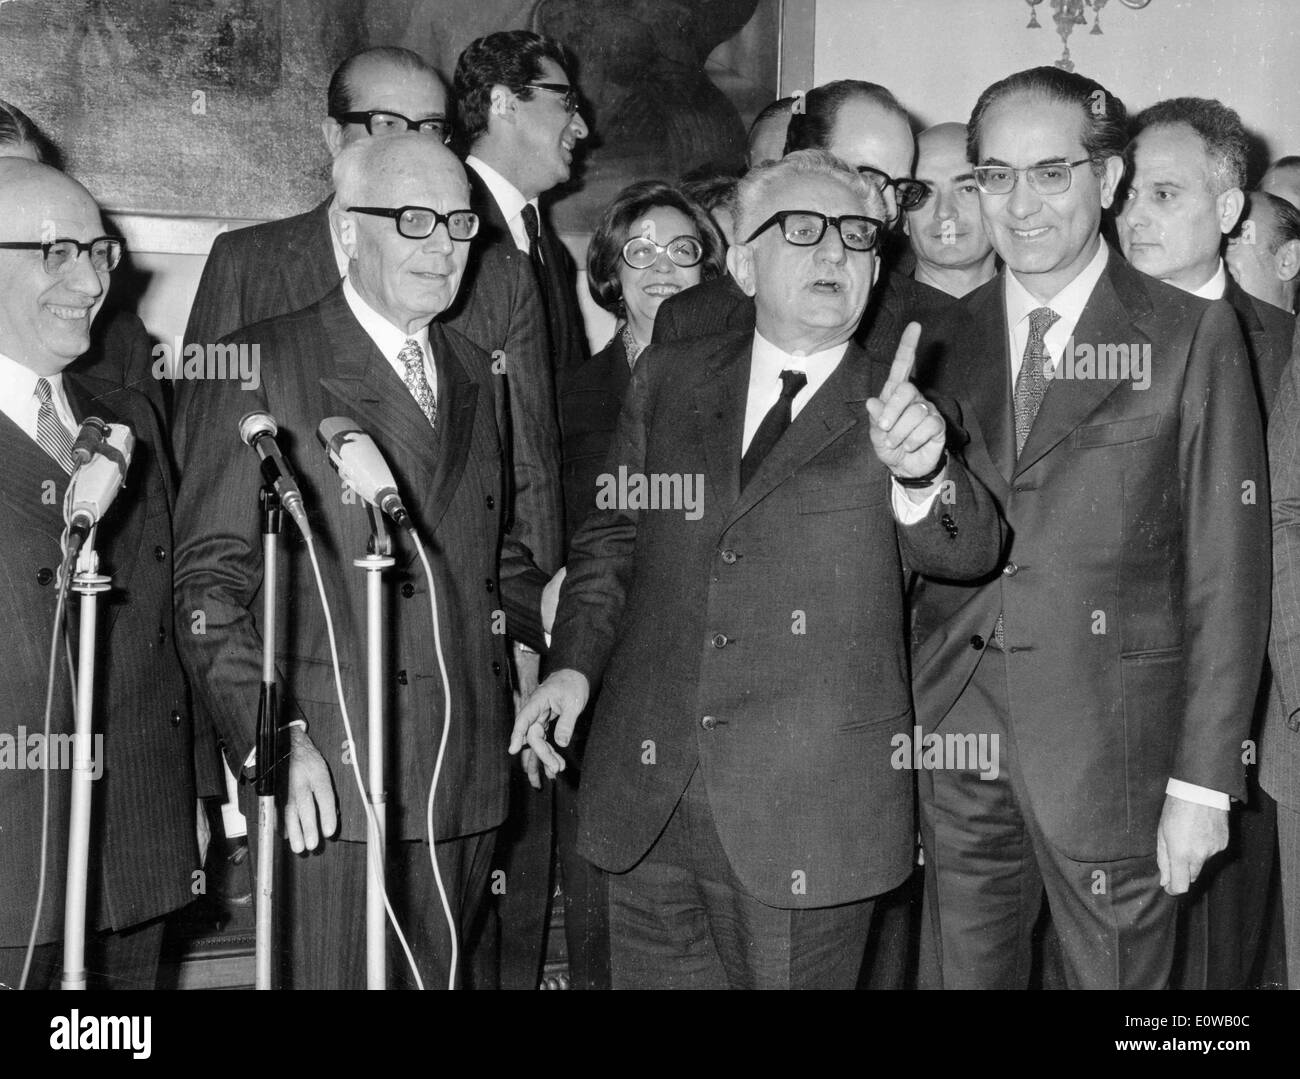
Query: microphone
x,y
95,484
362,467
89,439
258,430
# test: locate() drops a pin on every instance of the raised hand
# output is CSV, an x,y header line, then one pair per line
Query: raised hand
x,y
907,432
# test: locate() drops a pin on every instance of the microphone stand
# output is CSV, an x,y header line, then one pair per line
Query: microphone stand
x,y
268,751
88,583
378,558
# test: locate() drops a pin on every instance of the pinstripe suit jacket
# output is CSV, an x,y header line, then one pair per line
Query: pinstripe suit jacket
x,y
316,363
143,849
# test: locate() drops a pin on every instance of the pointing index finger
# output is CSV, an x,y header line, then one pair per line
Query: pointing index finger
x,y
900,370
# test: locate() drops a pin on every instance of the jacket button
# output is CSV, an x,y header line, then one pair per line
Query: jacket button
x,y
401,677
709,722
949,525
977,642
719,640
408,590
1010,569
490,584
176,717
160,554
162,635
491,502
496,667
729,557
44,575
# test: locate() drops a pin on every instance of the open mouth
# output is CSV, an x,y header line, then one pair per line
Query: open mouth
x,y
827,287
68,314
662,290
1029,234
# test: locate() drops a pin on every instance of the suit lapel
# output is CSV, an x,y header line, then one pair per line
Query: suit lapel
x,y
28,472
309,269
720,415
984,375
457,402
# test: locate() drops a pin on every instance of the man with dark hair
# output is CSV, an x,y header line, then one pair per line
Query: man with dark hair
x,y
1183,195
1282,178
767,134
1110,658
1263,254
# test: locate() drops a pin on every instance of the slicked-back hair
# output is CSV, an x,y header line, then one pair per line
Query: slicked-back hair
x,y
1286,217
635,201
812,125
17,129
1105,121
752,191
510,58
1220,128
341,96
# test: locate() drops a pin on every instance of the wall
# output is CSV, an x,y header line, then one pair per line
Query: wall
x,y
937,55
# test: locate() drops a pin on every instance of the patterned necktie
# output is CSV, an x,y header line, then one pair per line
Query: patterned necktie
x,y
1031,383
412,357
773,426
51,435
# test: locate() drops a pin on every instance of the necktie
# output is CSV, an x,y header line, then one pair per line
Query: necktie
x,y
773,426
1031,383
531,230
1031,388
412,357
51,435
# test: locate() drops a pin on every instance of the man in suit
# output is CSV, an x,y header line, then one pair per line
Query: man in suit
x,y
738,781
519,120
1263,255
143,852
1116,654
1182,196
371,349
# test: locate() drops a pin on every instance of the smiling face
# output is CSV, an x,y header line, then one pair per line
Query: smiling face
x,y
806,298
545,135
1171,223
946,229
644,290
45,319
407,281
1045,240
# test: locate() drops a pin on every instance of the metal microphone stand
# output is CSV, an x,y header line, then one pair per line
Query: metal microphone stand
x,y
378,558
88,583
268,750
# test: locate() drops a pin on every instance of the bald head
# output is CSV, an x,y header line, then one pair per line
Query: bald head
x,y
385,79
406,279
1283,180
45,318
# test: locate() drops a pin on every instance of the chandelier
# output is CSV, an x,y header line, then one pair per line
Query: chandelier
x,y
1067,14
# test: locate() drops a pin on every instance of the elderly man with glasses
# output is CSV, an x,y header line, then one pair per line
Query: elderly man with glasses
x,y
738,782
372,350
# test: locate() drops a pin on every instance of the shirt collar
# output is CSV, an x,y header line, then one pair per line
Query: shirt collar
x,y
1215,287
1068,303
508,197
388,338
769,357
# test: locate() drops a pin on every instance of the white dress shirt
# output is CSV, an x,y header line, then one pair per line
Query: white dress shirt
x,y
1215,287
509,199
765,369
388,338
19,402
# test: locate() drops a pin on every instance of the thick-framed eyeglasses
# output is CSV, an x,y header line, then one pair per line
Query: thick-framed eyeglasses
x,y
60,255
418,222
805,228
379,122
641,252
909,193
569,94
1048,178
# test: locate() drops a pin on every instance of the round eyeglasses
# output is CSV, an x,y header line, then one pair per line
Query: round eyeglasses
x,y
641,252
418,222
805,228
909,193
1049,178
59,256
379,122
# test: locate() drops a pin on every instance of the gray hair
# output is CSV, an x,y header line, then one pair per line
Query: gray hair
x,y
363,162
756,185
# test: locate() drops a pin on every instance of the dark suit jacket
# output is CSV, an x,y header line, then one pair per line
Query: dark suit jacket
x,y
1135,590
143,847
1268,331
778,613
121,352
318,362
589,408
281,266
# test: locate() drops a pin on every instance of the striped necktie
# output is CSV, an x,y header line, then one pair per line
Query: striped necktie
x,y
51,435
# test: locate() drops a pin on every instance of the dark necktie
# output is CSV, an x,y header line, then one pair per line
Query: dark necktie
x,y
51,435
773,426
534,234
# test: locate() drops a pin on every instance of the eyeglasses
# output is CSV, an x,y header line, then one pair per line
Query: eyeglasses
x,y
390,123
418,222
909,193
1052,178
805,228
569,94
641,252
60,255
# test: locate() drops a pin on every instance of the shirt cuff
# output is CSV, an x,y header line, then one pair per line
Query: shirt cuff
x,y
1190,792
907,511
